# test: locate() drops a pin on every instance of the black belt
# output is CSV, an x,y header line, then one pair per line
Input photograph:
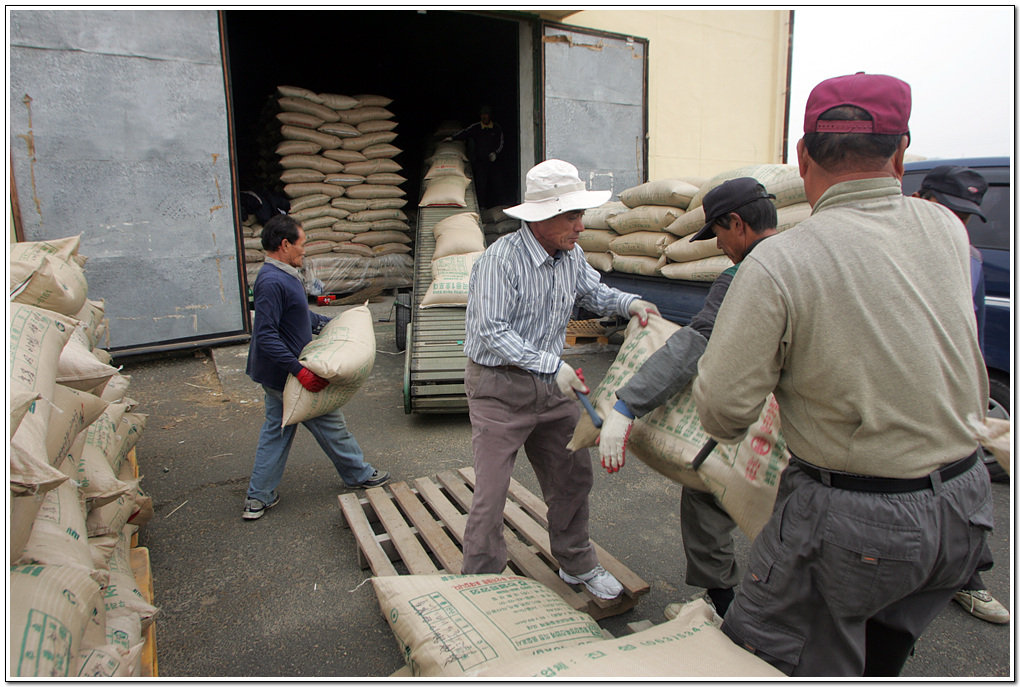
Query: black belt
x,y
886,485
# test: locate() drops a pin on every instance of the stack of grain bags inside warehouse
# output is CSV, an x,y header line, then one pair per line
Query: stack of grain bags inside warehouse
x,y
332,156
75,608
647,231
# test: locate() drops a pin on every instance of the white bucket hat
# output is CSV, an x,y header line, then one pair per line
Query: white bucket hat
x,y
554,187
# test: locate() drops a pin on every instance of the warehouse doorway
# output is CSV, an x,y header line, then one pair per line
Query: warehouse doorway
x,y
436,66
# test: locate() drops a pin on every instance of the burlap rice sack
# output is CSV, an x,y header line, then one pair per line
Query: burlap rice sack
x,y
598,218
685,250
450,278
638,264
375,191
705,269
644,218
49,609
458,239
603,262
456,625
688,647
373,125
648,243
673,192
445,191
744,476
381,150
344,353
596,240
782,181
316,162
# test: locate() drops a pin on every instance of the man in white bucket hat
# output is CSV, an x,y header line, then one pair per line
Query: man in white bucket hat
x,y
520,393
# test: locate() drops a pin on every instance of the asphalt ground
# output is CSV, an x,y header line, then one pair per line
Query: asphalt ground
x,y
284,596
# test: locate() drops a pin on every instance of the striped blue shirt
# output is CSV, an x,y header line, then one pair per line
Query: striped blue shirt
x,y
520,300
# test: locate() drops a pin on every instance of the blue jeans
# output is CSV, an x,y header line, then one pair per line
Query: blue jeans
x,y
329,430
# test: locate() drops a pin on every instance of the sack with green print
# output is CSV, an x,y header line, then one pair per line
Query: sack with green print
x,y
343,353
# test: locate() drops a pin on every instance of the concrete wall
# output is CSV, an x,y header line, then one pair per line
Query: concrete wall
x,y
716,85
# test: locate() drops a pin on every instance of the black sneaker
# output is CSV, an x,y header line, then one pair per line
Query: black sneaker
x,y
254,509
376,479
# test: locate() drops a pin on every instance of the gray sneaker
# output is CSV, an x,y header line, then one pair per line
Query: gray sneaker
x,y
599,581
376,479
254,509
981,604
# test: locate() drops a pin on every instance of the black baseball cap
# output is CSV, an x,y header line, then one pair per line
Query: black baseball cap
x,y
960,189
727,197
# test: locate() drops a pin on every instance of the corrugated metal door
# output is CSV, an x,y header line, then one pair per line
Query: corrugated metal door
x,y
118,132
595,105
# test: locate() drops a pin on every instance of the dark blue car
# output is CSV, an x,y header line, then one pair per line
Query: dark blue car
x,y
993,239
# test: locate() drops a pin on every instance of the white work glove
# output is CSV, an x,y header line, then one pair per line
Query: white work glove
x,y
492,157
641,310
568,381
613,440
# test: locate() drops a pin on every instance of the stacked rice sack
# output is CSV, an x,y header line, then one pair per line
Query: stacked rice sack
x,y
334,161
459,244
496,223
648,231
446,180
75,608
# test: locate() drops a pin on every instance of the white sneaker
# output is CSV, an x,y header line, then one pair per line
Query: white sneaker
x,y
599,581
981,604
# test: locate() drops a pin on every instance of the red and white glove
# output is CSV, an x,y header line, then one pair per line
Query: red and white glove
x,y
641,310
613,440
311,381
568,381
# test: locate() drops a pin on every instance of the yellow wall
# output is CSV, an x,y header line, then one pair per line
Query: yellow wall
x,y
716,85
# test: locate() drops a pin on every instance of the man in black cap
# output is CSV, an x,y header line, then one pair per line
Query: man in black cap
x,y
487,139
961,189
740,214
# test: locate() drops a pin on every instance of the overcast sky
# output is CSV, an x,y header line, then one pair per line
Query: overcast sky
x,y
959,64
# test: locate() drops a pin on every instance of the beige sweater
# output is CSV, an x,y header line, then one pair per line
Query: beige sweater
x,y
861,319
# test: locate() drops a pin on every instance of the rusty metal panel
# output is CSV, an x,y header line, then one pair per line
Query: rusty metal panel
x,y
595,105
119,132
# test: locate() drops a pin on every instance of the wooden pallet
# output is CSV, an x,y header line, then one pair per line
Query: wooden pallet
x,y
142,569
586,331
419,530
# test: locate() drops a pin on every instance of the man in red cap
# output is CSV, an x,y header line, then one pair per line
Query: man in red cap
x,y
860,320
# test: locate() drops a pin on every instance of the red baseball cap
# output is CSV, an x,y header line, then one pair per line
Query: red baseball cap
x,y
885,98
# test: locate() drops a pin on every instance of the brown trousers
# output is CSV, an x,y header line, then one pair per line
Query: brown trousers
x,y
511,408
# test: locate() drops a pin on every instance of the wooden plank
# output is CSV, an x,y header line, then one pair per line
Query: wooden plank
x,y
631,581
527,562
438,541
454,519
411,552
365,537
141,566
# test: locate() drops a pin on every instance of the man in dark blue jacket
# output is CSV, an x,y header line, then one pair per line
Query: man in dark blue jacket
x,y
487,138
283,326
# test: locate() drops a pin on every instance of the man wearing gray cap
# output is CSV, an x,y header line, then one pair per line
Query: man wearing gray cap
x,y
860,321
520,392
740,215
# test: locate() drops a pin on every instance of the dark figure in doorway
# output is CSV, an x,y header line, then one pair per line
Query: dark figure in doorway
x,y
486,137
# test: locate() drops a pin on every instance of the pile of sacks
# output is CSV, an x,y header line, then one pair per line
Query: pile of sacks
x,y
75,502
499,626
459,244
332,156
447,180
496,223
648,230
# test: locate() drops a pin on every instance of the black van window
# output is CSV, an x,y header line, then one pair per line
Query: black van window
x,y
994,233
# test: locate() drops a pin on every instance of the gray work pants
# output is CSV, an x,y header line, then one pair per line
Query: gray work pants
x,y
509,409
707,532
832,566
